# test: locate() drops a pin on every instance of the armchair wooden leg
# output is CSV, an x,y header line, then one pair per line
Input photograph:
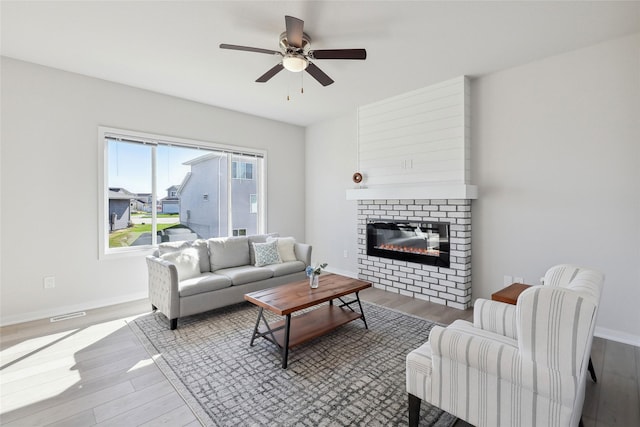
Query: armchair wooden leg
x,y
174,324
414,410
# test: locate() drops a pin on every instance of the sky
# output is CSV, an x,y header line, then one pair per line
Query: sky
x,y
130,166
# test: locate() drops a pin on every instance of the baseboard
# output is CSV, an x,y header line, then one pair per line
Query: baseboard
x,y
57,311
618,336
342,272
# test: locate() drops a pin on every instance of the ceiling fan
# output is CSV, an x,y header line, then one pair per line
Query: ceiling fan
x,y
297,55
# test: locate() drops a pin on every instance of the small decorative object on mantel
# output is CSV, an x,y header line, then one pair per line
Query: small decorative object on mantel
x,y
314,273
358,178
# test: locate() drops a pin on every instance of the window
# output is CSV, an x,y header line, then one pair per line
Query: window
x,y
242,170
239,232
253,203
160,189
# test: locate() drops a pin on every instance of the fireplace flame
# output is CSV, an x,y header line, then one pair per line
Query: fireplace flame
x,y
408,249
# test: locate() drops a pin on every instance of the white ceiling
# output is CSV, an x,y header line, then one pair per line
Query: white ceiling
x,y
171,47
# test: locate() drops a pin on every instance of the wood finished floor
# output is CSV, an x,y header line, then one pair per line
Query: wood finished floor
x,y
93,371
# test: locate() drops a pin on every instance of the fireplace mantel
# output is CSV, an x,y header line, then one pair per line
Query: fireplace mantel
x,y
426,191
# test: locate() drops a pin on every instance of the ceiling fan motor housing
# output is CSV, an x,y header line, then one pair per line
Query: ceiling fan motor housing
x,y
306,44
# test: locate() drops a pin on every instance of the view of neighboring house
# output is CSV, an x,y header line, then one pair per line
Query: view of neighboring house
x,y
120,201
203,196
143,202
171,203
201,200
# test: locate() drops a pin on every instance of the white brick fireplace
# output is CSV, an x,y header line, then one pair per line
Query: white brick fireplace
x,y
447,286
414,159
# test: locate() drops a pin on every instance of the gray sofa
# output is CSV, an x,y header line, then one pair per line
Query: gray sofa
x,y
187,278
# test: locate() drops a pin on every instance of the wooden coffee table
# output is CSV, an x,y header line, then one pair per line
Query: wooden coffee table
x,y
287,299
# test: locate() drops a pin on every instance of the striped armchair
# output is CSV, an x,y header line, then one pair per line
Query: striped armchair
x,y
522,365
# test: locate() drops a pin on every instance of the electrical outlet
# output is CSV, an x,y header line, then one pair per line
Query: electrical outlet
x,y
507,280
519,279
49,282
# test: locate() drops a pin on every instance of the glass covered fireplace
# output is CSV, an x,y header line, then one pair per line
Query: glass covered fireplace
x,y
420,241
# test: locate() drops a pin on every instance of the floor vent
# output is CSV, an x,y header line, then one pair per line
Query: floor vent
x,y
67,316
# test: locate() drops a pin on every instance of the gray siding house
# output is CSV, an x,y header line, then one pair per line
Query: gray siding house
x,y
119,209
171,203
203,198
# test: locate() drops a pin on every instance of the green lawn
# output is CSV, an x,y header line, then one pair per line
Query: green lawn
x,y
125,237
148,215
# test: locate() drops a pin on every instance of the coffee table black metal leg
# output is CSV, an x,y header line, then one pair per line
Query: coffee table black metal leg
x,y
255,330
285,349
361,312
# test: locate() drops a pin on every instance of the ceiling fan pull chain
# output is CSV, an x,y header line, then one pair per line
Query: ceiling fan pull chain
x,y
301,82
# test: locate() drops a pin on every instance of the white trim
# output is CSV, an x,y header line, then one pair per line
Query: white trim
x,y
342,272
426,191
229,195
57,311
263,213
618,336
154,138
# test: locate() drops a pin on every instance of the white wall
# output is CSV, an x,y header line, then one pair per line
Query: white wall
x,y
49,179
331,152
555,151
556,156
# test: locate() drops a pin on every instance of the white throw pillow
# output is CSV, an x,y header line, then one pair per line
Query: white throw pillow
x,y
186,261
286,248
266,253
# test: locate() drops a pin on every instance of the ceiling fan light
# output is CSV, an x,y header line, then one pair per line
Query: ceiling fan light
x,y
295,62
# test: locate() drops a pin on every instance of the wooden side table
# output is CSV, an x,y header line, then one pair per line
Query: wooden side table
x,y
510,294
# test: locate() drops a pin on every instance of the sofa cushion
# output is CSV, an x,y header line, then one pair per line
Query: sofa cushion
x,y
205,282
200,245
226,252
246,274
266,253
186,262
257,238
286,248
286,268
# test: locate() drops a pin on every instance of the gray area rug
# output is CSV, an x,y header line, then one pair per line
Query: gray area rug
x,y
352,376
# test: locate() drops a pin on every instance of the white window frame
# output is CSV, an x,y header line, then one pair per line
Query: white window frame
x,y
104,251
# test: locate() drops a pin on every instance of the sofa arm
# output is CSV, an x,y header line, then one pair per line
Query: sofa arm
x,y
495,316
303,253
163,286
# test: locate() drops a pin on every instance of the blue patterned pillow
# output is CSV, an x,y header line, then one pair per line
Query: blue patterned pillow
x,y
266,253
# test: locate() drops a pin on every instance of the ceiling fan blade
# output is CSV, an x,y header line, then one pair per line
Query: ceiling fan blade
x,y
339,54
319,75
295,28
250,49
272,72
